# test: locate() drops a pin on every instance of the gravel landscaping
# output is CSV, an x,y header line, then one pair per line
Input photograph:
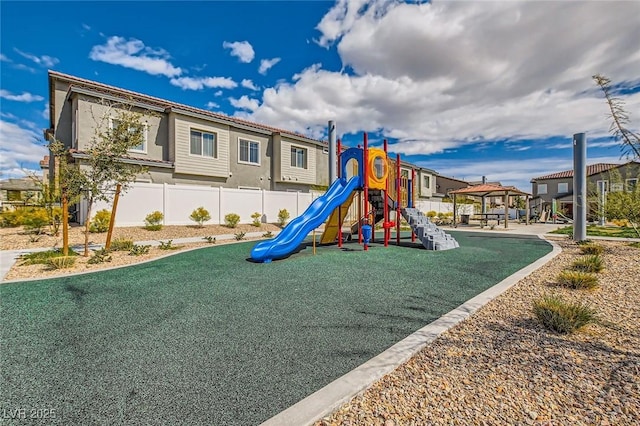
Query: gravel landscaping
x,y
501,366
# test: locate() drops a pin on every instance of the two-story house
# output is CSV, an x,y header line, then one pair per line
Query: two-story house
x,y
558,187
186,145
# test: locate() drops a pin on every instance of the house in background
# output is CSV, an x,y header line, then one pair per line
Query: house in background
x,y
559,186
445,184
20,192
186,145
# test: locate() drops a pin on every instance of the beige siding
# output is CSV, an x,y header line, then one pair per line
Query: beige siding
x,y
198,165
424,190
295,174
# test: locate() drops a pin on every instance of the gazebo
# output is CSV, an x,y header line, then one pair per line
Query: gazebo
x,y
489,190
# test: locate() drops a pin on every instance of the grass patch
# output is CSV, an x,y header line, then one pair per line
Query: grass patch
x,y
121,244
593,263
591,248
601,231
168,245
578,280
43,257
562,317
61,262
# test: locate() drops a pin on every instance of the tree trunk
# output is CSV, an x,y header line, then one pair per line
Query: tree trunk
x,y
65,225
87,222
107,245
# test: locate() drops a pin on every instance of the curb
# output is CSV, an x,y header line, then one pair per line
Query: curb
x,y
328,399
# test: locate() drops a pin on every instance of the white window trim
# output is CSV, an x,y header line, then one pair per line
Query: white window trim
x,y
566,184
325,150
215,143
606,185
306,156
259,152
542,185
627,181
145,143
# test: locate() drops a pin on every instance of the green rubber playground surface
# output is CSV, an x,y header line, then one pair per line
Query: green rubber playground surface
x,y
207,337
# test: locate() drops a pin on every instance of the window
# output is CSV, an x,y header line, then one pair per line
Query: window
x,y
138,132
325,150
542,188
203,143
602,184
298,157
248,152
563,187
631,184
617,187
426,181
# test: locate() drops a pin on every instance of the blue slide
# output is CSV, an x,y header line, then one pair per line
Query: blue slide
x,y
292,235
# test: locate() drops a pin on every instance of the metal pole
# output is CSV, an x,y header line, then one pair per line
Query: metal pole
x,y
385,221
332,152
580,187
340,218
399,199
483,208
365,177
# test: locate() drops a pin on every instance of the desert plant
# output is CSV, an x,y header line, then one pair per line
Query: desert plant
x,y
33,221
10,219
210,239
582,242
431,214
153,221
100,256
41,257
168,245
593,263
231,220
139,250
256,219
239,236
267,234
100,222
283,216
200,216
562,317
61,262
591,249
121,244
577,280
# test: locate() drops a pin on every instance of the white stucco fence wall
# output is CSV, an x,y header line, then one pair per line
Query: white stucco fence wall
x,y
176,202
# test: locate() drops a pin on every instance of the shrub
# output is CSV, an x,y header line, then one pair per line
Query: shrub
x,y
267,234
591,263
61,262
581,242
121,244
42,257
635,244
210,239
10,219
138,250
55,220
562,317
578,280
153,221
200,216
239,236
431,214
34,220
100,222
257,219
167,245
99,256
591,249
283,216
231,220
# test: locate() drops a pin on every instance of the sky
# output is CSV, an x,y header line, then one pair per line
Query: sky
x,y
468,89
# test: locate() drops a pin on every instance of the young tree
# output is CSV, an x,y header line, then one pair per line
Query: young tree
x,y
619,119
103,169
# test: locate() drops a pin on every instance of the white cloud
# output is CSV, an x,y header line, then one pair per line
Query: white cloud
x,y
248,84
198,83
24,97
4,58
135,55
44,60
20,149
45,112
218,93
245,103
240,49
267,64
443,74
86,27
212,105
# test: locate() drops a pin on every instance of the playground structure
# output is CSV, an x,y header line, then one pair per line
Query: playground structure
x,y
380,188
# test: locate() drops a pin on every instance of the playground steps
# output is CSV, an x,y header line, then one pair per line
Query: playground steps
x,y
432,237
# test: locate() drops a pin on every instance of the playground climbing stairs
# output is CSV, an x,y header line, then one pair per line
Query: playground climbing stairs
x,y
432,237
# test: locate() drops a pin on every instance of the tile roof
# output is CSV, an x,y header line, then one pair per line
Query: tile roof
x,y
165,104
592,169
486,189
